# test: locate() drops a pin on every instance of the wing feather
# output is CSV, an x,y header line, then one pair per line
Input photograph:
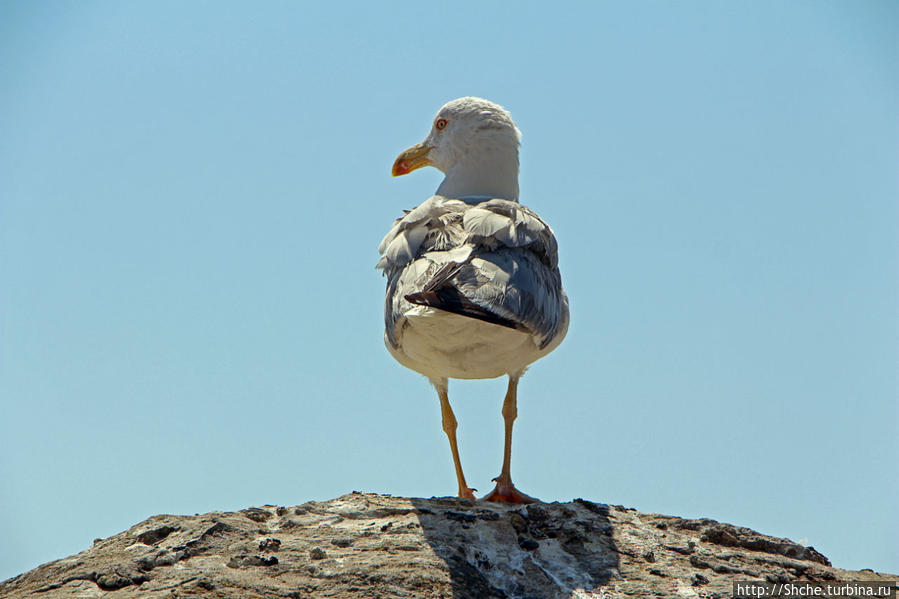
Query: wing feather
x,y
494,260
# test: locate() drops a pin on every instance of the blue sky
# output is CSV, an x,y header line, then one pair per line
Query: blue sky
x,y
191,198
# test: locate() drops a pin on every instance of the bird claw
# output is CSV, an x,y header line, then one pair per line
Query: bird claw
x,y
506,492
467,493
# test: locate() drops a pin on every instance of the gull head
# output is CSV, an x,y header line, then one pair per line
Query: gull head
x,y
474,142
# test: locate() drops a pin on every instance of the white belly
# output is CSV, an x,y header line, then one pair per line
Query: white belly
x,y
442,344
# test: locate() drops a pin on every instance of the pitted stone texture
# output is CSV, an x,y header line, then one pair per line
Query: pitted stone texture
x,y
378,546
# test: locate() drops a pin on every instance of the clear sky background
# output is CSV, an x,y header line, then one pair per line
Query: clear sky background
x,y
192,194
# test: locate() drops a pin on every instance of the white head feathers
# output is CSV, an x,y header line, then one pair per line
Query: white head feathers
x,y
475,143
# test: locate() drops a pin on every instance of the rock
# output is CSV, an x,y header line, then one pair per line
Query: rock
x,y
243,561
383,546
153,536
269,545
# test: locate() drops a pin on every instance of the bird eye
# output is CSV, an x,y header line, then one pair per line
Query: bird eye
x,y
440,124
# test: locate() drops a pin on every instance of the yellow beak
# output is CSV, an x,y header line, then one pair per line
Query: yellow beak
x,y
411,159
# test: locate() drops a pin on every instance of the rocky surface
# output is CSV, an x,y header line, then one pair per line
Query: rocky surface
x,y
372,546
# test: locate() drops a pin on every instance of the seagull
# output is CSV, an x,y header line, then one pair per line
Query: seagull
x,y
473,283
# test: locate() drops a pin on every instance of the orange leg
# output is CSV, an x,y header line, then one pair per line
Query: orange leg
x,y
505,490
449,427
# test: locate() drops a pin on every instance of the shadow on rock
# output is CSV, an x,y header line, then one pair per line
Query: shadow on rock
x,y
537,551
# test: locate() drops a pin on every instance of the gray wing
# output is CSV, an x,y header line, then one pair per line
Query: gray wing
x,y
495,260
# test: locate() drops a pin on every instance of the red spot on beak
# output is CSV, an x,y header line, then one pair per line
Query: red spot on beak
x,y
411,159
401,168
